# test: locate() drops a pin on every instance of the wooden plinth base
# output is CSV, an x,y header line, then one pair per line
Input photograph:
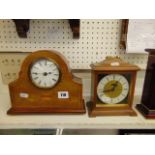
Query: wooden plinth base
x,y
42,110
93,112
145,111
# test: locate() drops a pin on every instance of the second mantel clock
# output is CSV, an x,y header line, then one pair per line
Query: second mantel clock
x,y
113,83
46,85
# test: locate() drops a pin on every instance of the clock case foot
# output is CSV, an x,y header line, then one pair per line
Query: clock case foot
x,y
93,112
41,110
145,111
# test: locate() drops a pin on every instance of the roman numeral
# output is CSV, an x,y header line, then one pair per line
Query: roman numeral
x,y
40,64
113,76
123,94
100,90
35,73
36,67
119,79
45,63
35,78
54,80
39,82
54,69
107,79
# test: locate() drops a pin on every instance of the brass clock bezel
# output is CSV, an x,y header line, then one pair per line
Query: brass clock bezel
x,y
103,102
123,104
30,77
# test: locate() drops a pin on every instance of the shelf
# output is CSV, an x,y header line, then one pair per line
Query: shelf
x,y
68,121
23,26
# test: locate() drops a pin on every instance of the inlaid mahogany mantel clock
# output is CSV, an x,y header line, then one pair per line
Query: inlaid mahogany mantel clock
x,y
147,106
46,85
113,83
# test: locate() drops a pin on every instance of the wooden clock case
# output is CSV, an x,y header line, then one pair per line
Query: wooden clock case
x,y
46,100
147,106
106,67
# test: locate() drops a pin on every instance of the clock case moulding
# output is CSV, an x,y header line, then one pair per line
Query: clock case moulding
x,y
46,100
110,66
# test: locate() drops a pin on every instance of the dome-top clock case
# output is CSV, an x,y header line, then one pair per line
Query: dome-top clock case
x,y
46,85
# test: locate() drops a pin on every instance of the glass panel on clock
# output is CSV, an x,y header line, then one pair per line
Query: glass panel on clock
x,y
113,88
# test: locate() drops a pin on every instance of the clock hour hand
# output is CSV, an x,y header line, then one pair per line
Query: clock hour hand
x,y
42,73
36,73
114,85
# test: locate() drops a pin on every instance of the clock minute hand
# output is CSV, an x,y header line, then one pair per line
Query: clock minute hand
x,y
114,85
36,73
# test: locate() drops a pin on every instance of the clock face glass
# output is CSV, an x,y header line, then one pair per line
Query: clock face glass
x,y
113,89
44,73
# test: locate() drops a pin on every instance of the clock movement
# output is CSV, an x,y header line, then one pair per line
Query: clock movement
x,y
46,85
147,106
113,83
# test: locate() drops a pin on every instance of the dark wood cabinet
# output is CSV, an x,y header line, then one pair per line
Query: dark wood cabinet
x,y
147,106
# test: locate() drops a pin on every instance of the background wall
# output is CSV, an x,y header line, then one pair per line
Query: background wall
x,y
98,39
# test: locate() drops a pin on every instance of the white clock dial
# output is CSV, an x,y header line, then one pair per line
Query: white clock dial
x,y
112,88
44,73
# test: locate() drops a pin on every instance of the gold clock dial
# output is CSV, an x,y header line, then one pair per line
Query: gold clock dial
x,y
112,89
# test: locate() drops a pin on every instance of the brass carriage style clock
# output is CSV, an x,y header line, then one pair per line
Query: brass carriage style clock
x,y
46,85
113,83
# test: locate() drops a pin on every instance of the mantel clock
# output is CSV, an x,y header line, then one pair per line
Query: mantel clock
x,y
46,85
113,83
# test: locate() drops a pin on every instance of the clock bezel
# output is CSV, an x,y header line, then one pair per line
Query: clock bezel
x,y
131,88
123,100
30,77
